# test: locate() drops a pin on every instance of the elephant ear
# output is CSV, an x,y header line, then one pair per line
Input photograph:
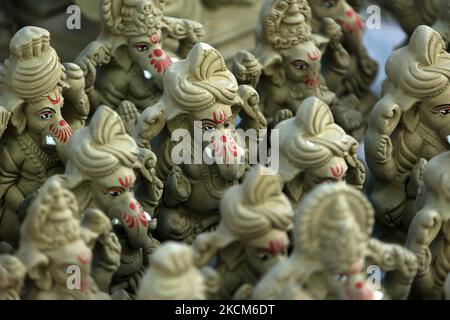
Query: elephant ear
x,y
122,57
273,69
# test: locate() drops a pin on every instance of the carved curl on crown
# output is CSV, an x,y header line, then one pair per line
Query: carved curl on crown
x,y
312,138
132,17
101,148
421,69
285,23
200,81
257,206
172,275
33,69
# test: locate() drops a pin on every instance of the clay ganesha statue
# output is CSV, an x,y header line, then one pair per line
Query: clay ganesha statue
x,y
34,88
291,65
103,168
128,60
252,235
57,241
409,123
200,154
429,232
314,150
332,250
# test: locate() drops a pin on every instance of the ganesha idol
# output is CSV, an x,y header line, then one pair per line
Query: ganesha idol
x,y
103,170
252,235
35,87
315,150
128,60
56,247
333,252
291,65
409,123
201,96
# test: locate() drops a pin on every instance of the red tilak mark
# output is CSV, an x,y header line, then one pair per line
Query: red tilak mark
x,y
154,39
222,117
276,246
132,206
125,183
56,100
315,55
338,171
84,259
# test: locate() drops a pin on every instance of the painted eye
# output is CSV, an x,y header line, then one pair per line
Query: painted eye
x,y
113,192
301,65
46,115
227,125
141,47
442,109
209,128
